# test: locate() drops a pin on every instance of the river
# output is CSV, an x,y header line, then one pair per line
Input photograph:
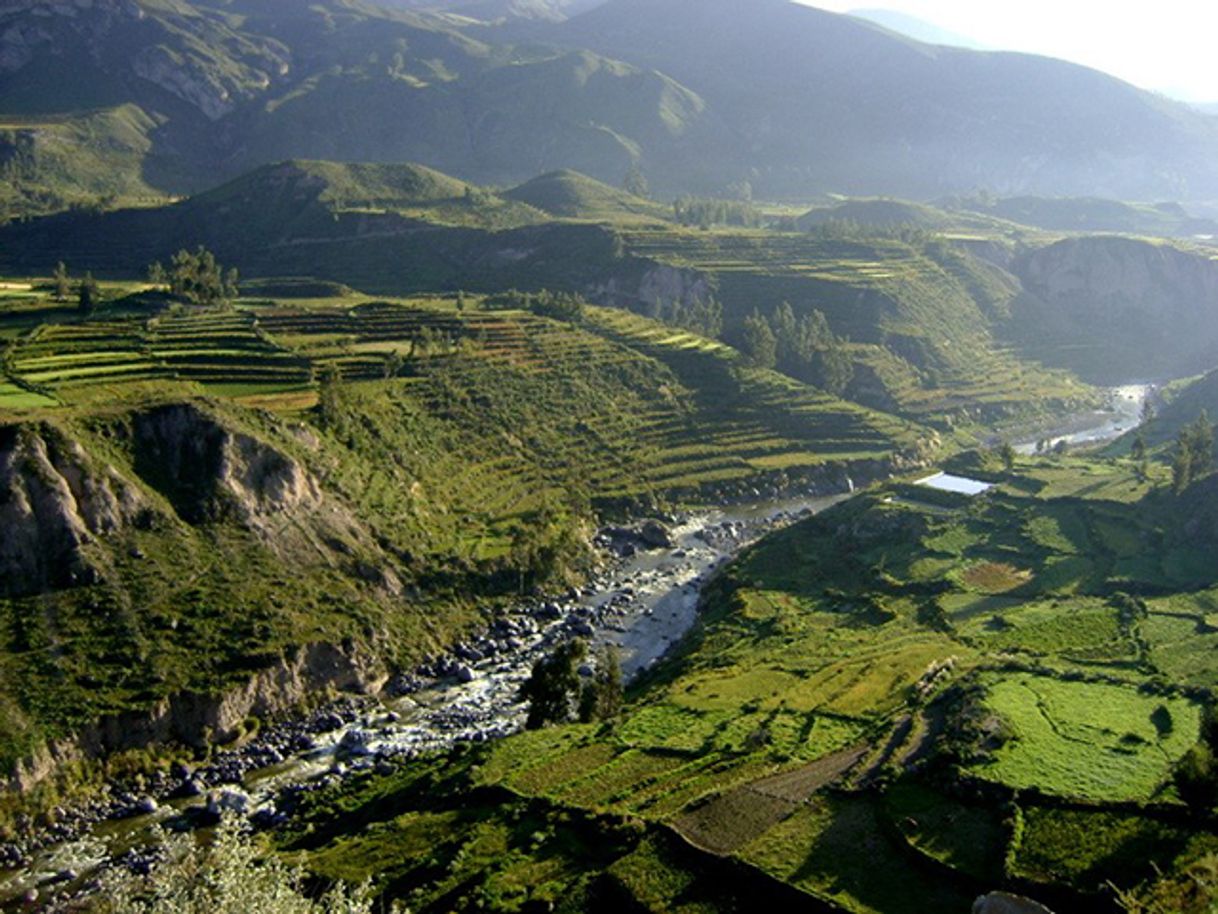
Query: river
x,y
642,605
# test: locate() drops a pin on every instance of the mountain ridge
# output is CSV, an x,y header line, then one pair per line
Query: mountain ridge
x,y
829,104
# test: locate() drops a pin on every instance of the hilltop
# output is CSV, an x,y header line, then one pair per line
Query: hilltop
x,y
572,195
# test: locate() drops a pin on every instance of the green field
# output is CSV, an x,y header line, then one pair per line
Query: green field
x,y
934,680
1088,740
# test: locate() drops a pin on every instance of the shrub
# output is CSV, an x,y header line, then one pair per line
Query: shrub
x,y
225,877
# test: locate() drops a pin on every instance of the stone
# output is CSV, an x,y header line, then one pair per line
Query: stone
x,y
1004,903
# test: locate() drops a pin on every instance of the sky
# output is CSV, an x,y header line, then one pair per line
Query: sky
x,y
1167,45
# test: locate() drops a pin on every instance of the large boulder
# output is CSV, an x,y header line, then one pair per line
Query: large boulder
x,y
655,535
1003,903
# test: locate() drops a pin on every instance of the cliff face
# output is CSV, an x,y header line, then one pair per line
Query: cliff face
x,y
54,505
143,543
208,470
1118,309
191,718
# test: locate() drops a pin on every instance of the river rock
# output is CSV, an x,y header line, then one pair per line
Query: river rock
x,y
655,535
229,800
145,806
466,674
1003,903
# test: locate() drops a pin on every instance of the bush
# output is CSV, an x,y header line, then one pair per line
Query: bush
x,y
225,877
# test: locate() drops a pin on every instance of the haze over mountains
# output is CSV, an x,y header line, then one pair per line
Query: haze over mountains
x,y
770,96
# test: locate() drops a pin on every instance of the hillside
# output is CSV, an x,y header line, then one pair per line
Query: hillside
x,y
1092,215
875,216
187,473
950,684
571,195
498,93
926,321
51,163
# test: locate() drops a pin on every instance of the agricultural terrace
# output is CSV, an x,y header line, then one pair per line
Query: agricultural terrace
x,y
455,424
969,689
917,312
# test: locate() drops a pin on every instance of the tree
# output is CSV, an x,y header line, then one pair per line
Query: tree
x,y
232,284
603,696
88,295
1006,453
553,686
635,182
393,364
760,344
1181,469
460,301
156,274
1201,433
835,368
1138,450
63,285
1194,457
329,396
786,335
199,279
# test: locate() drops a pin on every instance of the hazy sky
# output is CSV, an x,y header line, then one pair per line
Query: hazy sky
x,y
1167,45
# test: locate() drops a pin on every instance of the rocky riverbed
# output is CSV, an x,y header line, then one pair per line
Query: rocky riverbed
x,y
641,604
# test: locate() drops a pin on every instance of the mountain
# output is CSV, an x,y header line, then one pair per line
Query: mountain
x,y
832,102
497,10
700,94
918,29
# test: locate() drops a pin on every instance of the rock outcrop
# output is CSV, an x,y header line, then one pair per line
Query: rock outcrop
x,y
1109,304
208,470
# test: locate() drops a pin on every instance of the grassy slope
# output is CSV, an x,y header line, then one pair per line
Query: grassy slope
x,y
809,668
49,164
572,195
496,418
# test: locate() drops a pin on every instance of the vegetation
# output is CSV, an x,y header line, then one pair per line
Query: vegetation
x,y
962,672
198,279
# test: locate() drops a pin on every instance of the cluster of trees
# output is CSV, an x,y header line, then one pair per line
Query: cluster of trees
x,y
88,293
562,306
1194,453
705,212
805,348
196,278
557,694
703,316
